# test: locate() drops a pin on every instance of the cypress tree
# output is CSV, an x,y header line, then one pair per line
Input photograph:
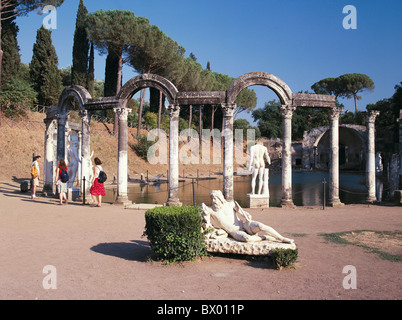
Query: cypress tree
x,y
11,57
43,69
91,75
80,48
111,74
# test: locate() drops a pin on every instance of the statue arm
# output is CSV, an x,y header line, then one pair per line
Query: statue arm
x,y
251,159
267,156
243,215
206,215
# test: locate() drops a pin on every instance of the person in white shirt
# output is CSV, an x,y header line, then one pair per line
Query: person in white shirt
x,y
35,180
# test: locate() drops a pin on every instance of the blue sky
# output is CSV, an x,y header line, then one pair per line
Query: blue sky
x,y
300,41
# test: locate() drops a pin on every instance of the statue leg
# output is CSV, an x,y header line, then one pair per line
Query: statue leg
x,y
245,237
255,227
261,179
254,177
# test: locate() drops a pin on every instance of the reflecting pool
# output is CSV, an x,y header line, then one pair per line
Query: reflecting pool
x,y
308,189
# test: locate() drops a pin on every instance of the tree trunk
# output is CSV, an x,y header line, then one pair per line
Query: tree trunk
x,y
355,104
189,122
140,110
213,117
160,114
200,126
118,87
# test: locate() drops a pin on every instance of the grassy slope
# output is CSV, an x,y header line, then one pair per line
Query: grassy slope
x,y
17,146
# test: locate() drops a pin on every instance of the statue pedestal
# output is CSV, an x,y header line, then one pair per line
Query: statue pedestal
x,y
262,248
258,200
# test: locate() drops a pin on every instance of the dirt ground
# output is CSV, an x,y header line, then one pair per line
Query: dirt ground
x,y
99,253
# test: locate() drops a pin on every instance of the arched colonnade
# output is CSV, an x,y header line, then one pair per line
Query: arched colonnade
x,y
58,115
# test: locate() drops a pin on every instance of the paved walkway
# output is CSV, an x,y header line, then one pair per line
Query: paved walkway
x,y
99,253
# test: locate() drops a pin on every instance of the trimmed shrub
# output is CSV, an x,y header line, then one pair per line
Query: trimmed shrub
x,y
283,258
175,233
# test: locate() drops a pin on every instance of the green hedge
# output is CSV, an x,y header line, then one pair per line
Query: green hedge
x,y
283,258
175,233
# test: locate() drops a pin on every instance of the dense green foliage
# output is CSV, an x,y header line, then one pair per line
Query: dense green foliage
x,y
11,57
44,70
387,133
347,85
79,73
16,97
283,258
175,233
9,10
270,120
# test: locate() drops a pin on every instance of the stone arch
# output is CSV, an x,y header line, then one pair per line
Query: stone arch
x,y
281,89
316,143
80,93
147,80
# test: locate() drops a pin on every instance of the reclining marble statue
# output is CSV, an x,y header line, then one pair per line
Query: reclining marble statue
x,y
228,218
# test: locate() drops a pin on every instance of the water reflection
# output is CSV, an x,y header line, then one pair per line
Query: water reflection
x,y
307,189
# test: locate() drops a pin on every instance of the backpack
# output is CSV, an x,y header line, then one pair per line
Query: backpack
x,y
64,176
102,177
34,172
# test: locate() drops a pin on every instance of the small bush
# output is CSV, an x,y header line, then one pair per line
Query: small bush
x,y
142,146
175,233
283,258
16,96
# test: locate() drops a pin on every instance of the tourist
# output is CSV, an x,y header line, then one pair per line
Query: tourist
x,y
35,174
61,181
97,189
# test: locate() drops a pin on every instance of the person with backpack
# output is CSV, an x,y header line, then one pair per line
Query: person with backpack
x,y
61,181
98,189
35,174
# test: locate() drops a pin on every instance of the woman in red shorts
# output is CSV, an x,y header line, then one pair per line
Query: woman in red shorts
x,y
97,189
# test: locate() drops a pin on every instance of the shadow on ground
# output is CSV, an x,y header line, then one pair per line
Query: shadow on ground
x,y
135,250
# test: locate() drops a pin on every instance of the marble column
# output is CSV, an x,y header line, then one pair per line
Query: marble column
x,y
61,136
122,165
49,161
334,201
287,113
86,154
370,155
227,134
173,196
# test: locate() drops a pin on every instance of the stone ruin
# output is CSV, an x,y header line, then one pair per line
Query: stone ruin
x,y
60,132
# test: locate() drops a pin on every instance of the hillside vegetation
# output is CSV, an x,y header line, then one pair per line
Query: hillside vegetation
x,y
17,146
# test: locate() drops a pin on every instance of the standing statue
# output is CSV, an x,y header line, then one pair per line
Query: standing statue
x,y
73,158
257,166
230,218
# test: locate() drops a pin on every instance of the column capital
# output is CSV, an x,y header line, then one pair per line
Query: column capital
x,y
371,115
174,110
83,114
122,112
62,118
334,113
48,121
287,111
228,109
